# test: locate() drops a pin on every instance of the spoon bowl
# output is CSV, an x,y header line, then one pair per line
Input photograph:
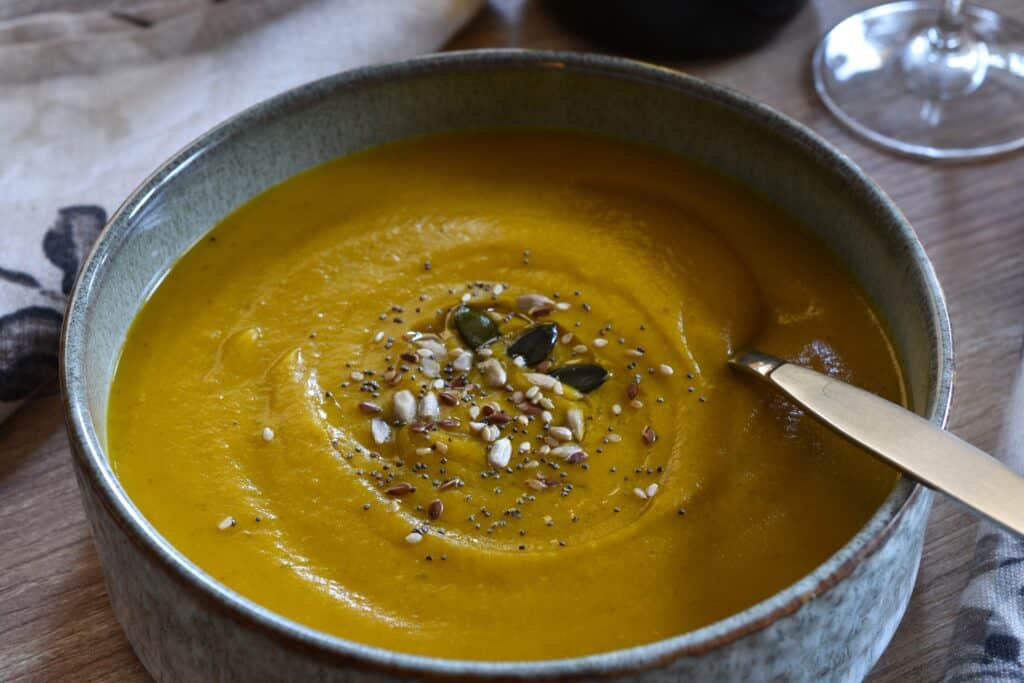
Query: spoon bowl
x,y
905,440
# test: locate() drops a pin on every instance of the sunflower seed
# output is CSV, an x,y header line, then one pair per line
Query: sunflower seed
x,y
435,348
463,362
545,381
574,418
380,429
404,406
429,407
530,302
430,367
493,371
500,453
560,433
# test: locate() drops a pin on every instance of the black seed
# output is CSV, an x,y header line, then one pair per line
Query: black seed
x,y
582,377
536,344
475,327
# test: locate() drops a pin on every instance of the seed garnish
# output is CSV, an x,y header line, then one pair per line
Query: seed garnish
x,y
648,435
368,408
400,489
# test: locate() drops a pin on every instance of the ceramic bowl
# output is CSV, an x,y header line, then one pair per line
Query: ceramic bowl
x,y
831,625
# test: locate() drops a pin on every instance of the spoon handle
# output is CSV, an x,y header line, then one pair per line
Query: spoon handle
x,y
934,457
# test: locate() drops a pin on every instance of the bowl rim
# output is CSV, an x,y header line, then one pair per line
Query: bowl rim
x,y
94,469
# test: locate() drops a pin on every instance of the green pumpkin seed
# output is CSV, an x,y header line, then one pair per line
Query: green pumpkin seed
x,y
582,377
535,344
475,327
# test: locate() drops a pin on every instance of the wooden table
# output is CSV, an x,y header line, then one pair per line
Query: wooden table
x,y
56,623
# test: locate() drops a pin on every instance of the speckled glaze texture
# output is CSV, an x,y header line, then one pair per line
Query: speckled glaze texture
x,y
831,625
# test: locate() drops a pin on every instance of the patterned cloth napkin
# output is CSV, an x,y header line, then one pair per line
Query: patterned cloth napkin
x,y
989,631
95,94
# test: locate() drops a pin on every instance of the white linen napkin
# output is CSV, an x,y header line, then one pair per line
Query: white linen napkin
x,y
95,94
989,632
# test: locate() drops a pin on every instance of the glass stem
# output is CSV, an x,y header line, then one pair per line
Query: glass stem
x,y
948,34
951,18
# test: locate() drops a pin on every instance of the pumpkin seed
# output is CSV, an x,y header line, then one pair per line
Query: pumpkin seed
x,y
475,327
582,377
535,345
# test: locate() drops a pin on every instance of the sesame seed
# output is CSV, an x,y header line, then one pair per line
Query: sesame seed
x,y
651,490
600,342
640,493
268,434
665,369
413,538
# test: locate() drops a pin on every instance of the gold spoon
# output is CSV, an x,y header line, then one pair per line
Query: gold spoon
x,y
930,455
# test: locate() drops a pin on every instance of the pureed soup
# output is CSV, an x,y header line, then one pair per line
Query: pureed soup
x,y
466,396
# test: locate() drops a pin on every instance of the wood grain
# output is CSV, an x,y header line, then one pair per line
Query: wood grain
x,y
56,623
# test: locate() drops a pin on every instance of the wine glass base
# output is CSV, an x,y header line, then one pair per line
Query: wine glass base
x,y
876,72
